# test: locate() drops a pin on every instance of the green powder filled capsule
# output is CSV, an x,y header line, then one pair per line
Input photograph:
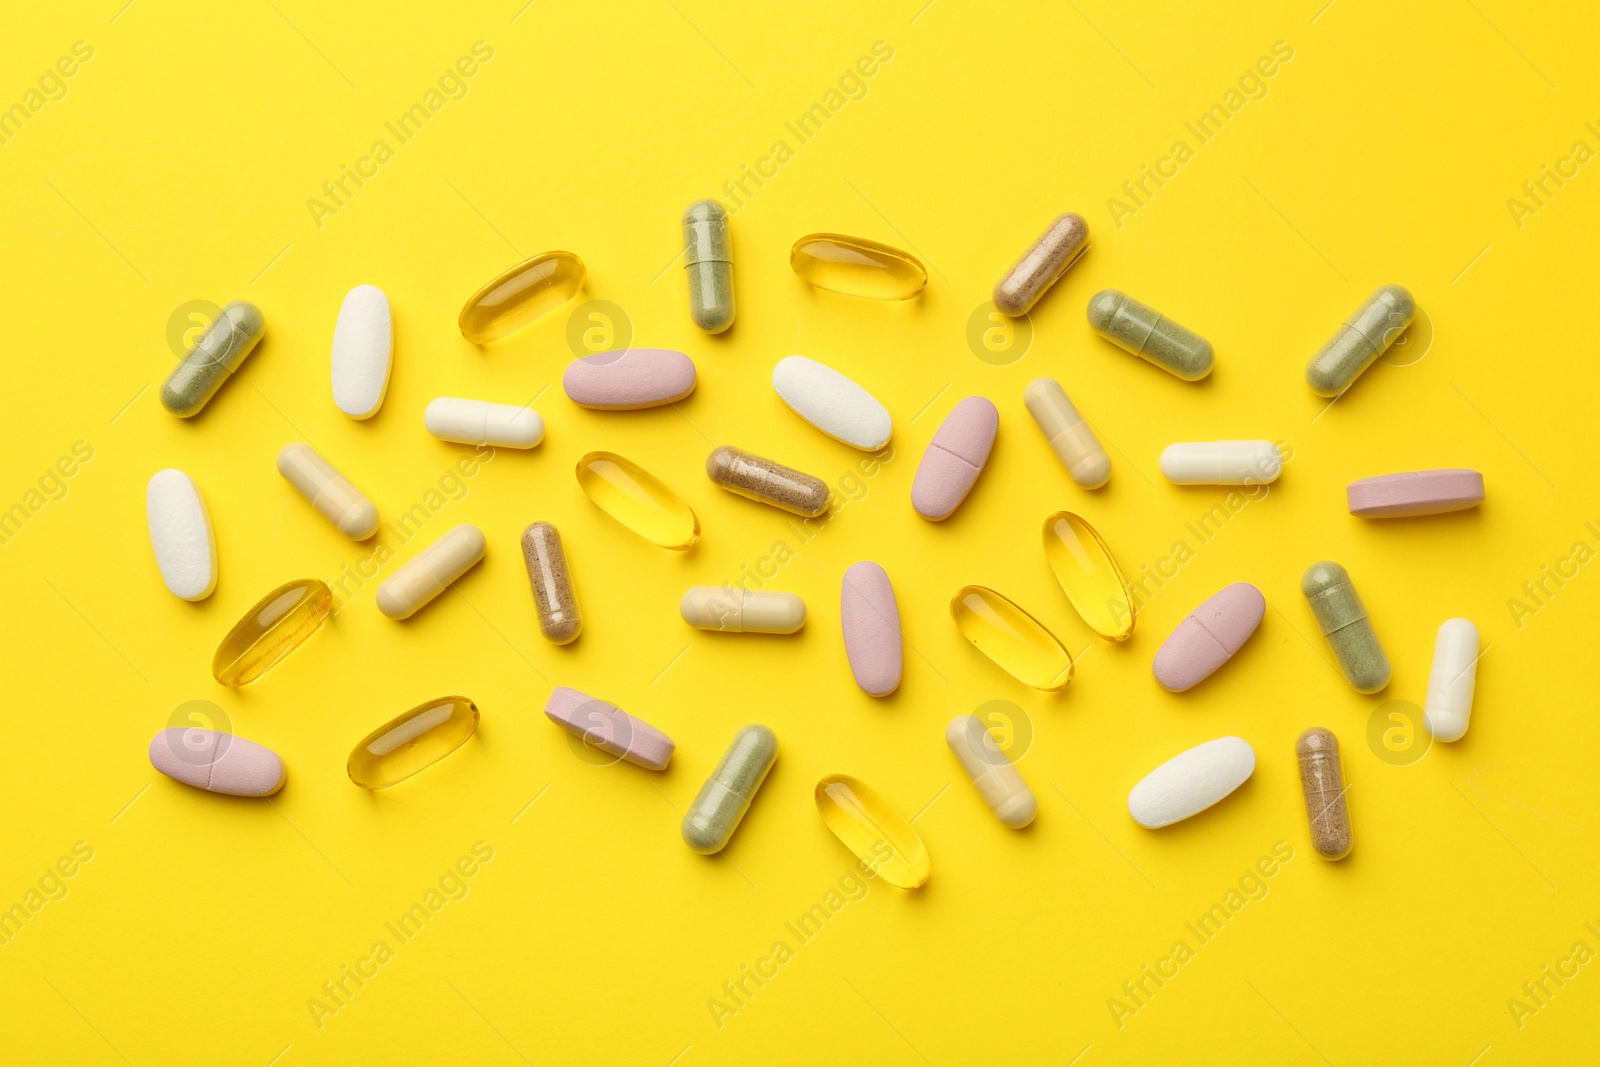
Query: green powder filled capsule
x,y
726,796
709,261
1364,337
213,358
1146,333
1343,619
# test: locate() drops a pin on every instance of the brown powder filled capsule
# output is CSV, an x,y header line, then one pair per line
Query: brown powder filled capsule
x,y
559,620
1040,266
1322,781
771,483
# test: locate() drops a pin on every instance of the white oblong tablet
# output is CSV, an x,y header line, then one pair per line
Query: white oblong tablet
x,y
478,422
1191,782
181,534
1222,463
832,403
363,347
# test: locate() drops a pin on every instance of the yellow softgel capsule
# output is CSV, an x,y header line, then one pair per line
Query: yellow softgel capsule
x,y
521,295
639,500
880,837
855,266
1011,637
275,627
418,739
1088,575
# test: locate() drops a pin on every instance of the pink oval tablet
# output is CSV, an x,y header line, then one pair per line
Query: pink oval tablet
x,y
1209,637
629,378
871,617
1394,496
608,728
216,762
954,459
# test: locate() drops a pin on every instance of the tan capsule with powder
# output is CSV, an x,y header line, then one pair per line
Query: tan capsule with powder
x,y
1322,781
760,479
1057,249
559,620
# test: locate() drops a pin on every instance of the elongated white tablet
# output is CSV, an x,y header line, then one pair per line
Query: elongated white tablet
x,y
478,422
1454,678
1191,782
363,347
1222,463
832,403
181,534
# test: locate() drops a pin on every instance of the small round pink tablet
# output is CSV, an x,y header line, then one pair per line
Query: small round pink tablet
x,y
1209,637
216,762
954,459
608,728
871,617
630,378
1394,496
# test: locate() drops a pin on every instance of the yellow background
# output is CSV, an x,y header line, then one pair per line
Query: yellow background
x,y
178,167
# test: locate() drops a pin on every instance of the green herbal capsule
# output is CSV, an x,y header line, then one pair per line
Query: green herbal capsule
x,y
1364,337
709,261
726,796
1148,334
1343,619
213,358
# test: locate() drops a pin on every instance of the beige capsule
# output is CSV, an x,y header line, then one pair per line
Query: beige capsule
x,y
426,574
1042,265
330,492
1322,781
742,611
1070,436
762,480
559,620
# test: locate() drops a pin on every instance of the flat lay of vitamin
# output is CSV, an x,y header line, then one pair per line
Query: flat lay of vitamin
x,y
1037,535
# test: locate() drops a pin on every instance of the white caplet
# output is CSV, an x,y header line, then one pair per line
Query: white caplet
x,y
478,422
1222,463
363,348
1191,782
1454,678
832,403
181,535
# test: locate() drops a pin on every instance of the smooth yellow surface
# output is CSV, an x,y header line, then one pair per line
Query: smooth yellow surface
x,y
177,168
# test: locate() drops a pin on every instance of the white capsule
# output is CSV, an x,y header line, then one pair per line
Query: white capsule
x,y
181,534
1454,678
1191,782
832,403
426,574
330,492
478,422
1071,438
363,347
1222,463
742,611
997,778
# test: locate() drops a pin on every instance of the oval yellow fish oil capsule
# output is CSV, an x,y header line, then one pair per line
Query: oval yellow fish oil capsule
x,y
880,837
855,266
1016,641
638,500
521,295
1088,575
411,742
277,625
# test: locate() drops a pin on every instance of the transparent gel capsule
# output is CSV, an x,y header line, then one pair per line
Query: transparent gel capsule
x,y
1011,637
521,295
411,742
879,836
1088,575
275,627
639,500
855,266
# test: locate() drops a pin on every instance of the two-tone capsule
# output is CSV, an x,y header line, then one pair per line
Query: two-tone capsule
x,y
1057,249
430,572
1343,619
331,493
1070,436
708,259
1365,335
732,610
1149,335
1322,782
721,804
768,482
997,778
215,356
559,619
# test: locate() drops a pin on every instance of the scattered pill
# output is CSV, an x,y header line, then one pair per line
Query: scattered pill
x,y
1016,641
215,356
733,610
708,258
832,403
363,348
1394,496
1088,575
479,422
721,804
1209,637
1343,618
1057,249
559,619
1322,782
1221,463
1365,336
759,479
879,836
1070,437
605,726
638,500
181,534
856,266
430,571
277,625
412,742
520,295
216,762
629,379
997,778
1148,334
1454,678
330,492
954,459
871,618
1191,782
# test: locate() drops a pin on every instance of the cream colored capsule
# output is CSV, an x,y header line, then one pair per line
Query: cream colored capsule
x,y
330,492
742,611
997,778
427,573
1071,438
479,422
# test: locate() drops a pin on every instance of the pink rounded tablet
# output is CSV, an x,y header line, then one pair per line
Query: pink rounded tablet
x,y
871,617
954,459
629,379
1394,496
216,762
608,728
1209,637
